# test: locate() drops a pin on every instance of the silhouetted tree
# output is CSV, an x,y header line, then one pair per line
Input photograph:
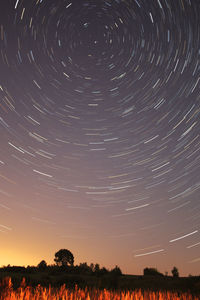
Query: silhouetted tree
x,y
92,267
64,258
42,265
116,271
96,268
175,272
151,272
103,271
84,268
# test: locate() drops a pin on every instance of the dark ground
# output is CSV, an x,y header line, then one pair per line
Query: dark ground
x,y
57,276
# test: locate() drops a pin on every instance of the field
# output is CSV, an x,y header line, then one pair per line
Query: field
x,y
41,293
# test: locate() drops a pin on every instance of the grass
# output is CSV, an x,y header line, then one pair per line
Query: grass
x,y
25,292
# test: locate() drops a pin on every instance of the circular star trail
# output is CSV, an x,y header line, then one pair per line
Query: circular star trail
x,y
99,124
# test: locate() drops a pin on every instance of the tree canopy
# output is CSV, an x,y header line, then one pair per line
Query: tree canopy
x,y
64,257
175,272
42,264
152,272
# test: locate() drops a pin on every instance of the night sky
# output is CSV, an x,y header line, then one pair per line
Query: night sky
x,y
100,132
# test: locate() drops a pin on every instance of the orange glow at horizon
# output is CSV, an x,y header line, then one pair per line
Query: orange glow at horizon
x,y
40,239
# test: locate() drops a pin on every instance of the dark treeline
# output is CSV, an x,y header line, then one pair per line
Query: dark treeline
x,y
82,268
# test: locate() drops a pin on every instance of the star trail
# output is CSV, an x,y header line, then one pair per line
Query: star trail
x,y
100,132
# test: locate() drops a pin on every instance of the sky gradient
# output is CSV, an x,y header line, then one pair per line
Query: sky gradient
x,y
99,127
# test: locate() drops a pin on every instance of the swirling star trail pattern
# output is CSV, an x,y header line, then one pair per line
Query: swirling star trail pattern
x,y
100,132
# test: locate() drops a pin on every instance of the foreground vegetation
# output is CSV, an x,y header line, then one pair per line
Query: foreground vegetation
x,y
26,293
83,277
